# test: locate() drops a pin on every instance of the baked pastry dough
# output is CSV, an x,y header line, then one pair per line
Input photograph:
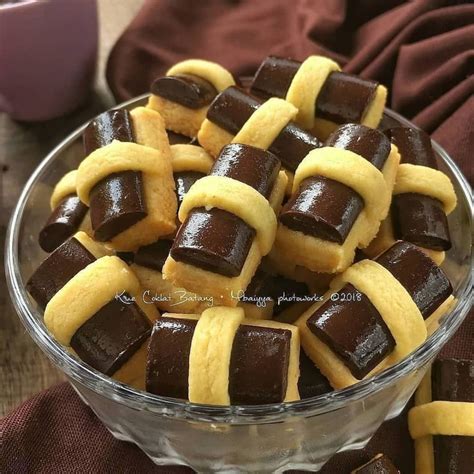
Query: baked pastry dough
x,y
190,158
209,359
182,119
374,186
306,85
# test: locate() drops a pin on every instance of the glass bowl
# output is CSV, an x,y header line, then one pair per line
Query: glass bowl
x,y
268,438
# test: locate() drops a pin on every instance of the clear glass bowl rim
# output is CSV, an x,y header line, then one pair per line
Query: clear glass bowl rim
x,y
136,399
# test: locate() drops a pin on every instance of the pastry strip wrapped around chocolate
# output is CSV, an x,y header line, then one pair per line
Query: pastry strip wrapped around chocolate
x,y
374,314
324,96
68,214
127,179
237,117
93,305
183,95
220,358
442,422
228,224
422,198
341,193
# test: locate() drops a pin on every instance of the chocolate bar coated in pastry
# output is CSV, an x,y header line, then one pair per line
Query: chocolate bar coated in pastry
x,y
324,96
126,178
246,362
93,305
423,197
183,95
341,193
418,218
442,421
67,214
231,113
391,296
228,224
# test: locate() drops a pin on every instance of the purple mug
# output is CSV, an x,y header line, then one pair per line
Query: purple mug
x,y
48,55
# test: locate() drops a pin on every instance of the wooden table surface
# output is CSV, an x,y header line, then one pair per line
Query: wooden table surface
x,y
24,369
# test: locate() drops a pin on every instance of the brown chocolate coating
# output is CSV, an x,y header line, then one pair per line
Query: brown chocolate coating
x,y
177,138
345,98
453,454
361,342
106,127
452,380
273,77
183,181
325,208
112,335
425,282
154,255
272,287
247,164
371,144
414,146
167,367
420,220
214,240
292,144
417,218
379,465
233,107
57,269
189,90
311,382
322,208
259,365
116,203
63,222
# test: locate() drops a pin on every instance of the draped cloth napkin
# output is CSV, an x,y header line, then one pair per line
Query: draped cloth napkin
x,y
422,50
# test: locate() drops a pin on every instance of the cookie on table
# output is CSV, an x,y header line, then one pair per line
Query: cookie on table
x,y
324,96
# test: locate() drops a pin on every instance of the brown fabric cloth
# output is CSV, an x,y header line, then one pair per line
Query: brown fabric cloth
x,y
422,50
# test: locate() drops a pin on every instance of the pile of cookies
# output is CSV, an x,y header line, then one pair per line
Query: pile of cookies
x,y
206,236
